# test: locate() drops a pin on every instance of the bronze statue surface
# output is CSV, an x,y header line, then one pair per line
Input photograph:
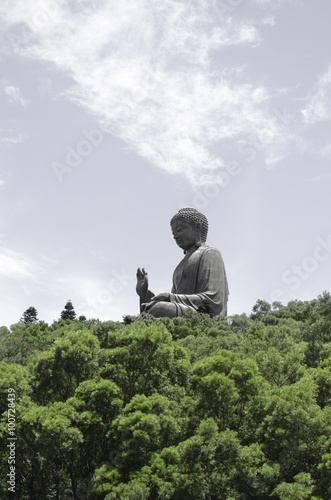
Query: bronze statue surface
x,y
199,278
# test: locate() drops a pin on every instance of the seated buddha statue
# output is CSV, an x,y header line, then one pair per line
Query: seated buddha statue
x,y
198,279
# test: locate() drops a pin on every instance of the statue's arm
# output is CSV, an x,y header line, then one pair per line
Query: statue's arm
x,y
145,295
146,299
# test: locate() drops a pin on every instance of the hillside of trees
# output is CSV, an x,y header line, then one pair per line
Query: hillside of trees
x,y
193,408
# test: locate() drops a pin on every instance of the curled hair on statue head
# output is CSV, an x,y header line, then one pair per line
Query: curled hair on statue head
x,y
196,220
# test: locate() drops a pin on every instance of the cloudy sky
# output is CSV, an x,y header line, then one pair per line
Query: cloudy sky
x,y
116,114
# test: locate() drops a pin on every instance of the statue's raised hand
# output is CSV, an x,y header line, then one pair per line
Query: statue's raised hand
x,y
142,282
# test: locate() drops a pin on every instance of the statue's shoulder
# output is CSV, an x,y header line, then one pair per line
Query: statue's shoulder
x,y
205,249
210,254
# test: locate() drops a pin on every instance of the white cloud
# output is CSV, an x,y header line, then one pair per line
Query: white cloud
x,y
326,151
15,96
15,265
319,105
146,68
9,136
11,140
321,150
326,177
268,21
319,178
275,4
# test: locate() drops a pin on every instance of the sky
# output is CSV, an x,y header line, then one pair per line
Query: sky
x,y
116,114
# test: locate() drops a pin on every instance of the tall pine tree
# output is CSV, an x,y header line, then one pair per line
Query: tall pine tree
x,y
69,311
30,316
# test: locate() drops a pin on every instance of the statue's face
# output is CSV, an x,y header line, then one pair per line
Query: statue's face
x,y
183,233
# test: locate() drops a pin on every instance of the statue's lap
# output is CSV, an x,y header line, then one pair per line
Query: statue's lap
x,y
162,309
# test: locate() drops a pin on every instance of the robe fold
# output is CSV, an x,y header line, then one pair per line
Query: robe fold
x,y
200,276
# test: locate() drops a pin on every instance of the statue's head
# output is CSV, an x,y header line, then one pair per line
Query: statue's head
x,y
196,226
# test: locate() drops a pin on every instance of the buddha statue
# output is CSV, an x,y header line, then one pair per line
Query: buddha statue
x,y
198,279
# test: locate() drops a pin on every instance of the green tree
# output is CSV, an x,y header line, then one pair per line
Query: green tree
x,y
260,309
50,444
301,489
144,359
68,312
206,308
281,369
19,343
14,385
208,465
144,426
190,408
323,483
294,429
229,389
58,372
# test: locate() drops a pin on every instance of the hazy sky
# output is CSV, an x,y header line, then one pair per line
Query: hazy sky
x,y
115,114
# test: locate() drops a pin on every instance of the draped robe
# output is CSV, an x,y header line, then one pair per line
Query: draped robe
x,y
200,276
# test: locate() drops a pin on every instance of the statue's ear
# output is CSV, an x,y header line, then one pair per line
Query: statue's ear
x,y
198,239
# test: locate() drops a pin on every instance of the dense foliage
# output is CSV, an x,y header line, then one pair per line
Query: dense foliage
x,y
186,409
